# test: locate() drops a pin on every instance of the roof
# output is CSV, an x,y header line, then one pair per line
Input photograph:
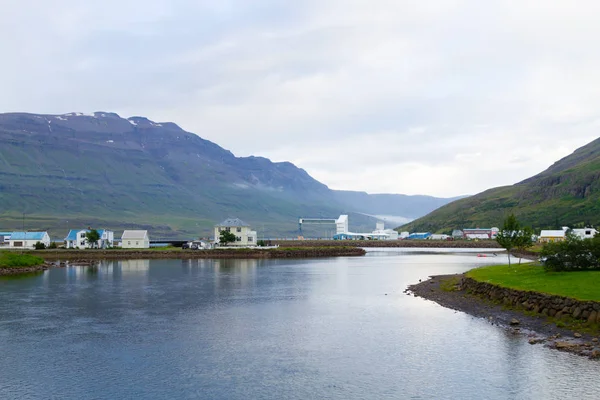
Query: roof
x,y
5,233
73,233
556,233
27,235
134,235
233,222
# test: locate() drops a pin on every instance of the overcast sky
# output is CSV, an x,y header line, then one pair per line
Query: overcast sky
x,y
436,97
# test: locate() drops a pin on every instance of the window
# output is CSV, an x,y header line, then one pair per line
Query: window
x,y
238,239
82,235
250,238
137,243
82,243
239,229
228,229
128,242
588,232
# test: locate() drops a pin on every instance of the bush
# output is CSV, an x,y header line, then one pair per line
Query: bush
x,y
572,254
261,243
53,245
40,246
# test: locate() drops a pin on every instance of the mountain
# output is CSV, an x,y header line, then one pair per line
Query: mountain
x,y
73,170
566,194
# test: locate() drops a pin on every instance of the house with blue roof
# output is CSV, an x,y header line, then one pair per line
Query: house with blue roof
x,y
76,239
27,240
4,236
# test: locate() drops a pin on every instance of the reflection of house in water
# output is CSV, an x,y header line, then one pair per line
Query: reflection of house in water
x,y
134,266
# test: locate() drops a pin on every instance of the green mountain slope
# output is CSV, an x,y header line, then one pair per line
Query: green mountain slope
x,y
566,194
72,170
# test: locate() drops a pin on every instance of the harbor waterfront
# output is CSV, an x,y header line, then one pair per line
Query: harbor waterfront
x,y
339,328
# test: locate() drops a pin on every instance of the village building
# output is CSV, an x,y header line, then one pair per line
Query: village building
x,y
480,233
419,235
438,237
550,236
76,239
4,236
585,233
244,236
28,240
135,239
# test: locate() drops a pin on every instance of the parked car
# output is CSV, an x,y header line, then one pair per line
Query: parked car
x,y
197,245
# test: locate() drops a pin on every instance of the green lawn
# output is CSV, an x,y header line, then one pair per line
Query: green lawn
x,y
15,260
584,285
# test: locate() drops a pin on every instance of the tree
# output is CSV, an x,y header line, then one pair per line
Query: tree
x,y
508,237
524,239
92,237
226,237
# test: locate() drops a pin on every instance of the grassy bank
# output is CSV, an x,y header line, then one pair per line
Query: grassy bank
x,y
532,277
15,260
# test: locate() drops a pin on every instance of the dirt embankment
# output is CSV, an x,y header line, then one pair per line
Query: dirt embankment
x,y
88,255
449,244
447,291
24,270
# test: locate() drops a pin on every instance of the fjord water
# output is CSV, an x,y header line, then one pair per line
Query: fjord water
x,y
338,328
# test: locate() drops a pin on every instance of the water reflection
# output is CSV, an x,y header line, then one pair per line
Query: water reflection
x,y
336,328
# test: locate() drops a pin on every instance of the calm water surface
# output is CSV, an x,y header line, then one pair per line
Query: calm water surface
x,y
265,329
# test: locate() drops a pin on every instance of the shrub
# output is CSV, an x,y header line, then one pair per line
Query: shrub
x,y
572,254
40,246
53,245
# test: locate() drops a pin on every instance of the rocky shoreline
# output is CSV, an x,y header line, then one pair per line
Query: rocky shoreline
x,y
448,291
24,270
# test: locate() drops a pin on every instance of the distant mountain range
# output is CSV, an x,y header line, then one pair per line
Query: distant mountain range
x,y
101,170
566,194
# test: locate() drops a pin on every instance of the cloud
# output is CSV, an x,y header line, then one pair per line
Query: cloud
x,y
445,97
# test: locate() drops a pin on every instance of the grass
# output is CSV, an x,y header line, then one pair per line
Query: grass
x,y
14,260
581,285
449,285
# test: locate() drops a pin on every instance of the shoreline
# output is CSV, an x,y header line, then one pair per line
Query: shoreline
x,y
445,290
91,255
24,270
441,244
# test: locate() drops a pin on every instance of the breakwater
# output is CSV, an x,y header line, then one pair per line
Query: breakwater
x,y
449,244
119,254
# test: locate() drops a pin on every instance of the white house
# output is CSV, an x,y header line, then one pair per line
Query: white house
x,y
134,239
76,239
244,236
549,236
585,233
27,240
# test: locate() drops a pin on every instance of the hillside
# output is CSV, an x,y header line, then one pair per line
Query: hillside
x,y
61,171
566,194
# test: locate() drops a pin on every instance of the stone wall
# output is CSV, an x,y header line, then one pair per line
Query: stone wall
x,y
550,305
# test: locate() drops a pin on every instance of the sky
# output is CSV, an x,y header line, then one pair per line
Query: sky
x,y
437,97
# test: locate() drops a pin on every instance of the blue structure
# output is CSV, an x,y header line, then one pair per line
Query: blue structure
x,y
27,236
419,236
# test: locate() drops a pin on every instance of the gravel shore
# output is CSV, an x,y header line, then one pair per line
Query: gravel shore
x,y
536,328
